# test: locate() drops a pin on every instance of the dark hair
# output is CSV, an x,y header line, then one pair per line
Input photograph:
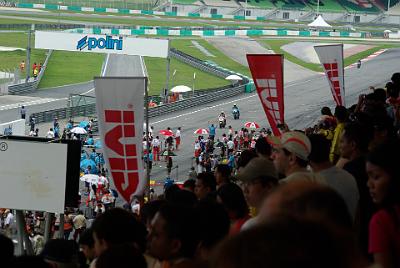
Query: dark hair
x,y
396,79
326,111
283,243
320,148
341,113
60,250
233,200
263,147
213,223
224,170
118,226
380,95
121,256
86,238
358,133
7,250
245,157
386,156
150,209
208,180
180,224
181,198
189,183
28,261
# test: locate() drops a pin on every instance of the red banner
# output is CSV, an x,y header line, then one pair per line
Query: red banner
x,y
119,103
267,72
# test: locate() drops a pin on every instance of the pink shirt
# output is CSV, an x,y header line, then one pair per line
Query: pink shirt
x,y
384,233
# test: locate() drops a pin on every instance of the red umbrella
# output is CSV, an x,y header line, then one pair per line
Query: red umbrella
x,y
166,132
251,125
201,131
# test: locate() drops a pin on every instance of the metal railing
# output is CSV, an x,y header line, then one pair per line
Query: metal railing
x,y
29,87
200,97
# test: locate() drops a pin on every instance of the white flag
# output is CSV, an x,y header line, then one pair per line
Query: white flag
x,y
331,58
120,109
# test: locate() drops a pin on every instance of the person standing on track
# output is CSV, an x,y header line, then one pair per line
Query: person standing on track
x,y
177,138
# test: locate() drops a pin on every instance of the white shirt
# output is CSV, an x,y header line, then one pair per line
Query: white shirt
x,y
103,180
9,219
178,133
230,145
156,143
50,134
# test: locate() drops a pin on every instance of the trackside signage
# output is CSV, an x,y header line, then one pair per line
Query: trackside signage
x,y
110,44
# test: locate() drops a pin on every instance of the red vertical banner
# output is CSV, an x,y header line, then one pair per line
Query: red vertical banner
x,y
267,73
120,102
331,58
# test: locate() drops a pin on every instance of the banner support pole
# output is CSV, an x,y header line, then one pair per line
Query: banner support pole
x,y
146,101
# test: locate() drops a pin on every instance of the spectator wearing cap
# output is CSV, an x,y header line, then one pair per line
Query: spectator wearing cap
x,y
259,178
61,253
290,157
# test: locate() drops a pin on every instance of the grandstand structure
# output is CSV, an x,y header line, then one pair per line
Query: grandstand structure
x,y
344,11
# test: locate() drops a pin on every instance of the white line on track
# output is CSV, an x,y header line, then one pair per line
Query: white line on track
x,y
29,103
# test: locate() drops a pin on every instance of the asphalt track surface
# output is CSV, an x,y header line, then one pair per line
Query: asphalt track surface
x,y
303,100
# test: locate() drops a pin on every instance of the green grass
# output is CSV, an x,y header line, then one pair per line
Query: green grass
x,y
10,60
220,58
276,44
15,40
183,76
66,68
18,20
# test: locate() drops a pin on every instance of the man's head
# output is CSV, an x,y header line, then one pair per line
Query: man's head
x,y
320,148
86,243
354,140
173,233
222,174
263,148
307,200
341,113
117,226
259,177
61,253
205,184
291,152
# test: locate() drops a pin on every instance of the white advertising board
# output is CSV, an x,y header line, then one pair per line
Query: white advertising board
x,y
109,44
29,182
16,128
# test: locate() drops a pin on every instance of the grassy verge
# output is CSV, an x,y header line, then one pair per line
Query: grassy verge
x,y
220,58
66,68
276,44
10,60
15,40
183,76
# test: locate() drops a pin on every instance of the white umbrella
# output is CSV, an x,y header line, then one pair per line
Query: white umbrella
x,y
78,130
233,77
180,89
387,31
90,178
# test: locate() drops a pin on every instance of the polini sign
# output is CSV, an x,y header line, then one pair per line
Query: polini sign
x,y
148,47
101,43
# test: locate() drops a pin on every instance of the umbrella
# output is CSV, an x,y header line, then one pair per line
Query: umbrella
x,y
98,145
166,132
233,77
168,153
78,130
180,89
88,162
201,131
387,31
251,125
91,178
84,124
